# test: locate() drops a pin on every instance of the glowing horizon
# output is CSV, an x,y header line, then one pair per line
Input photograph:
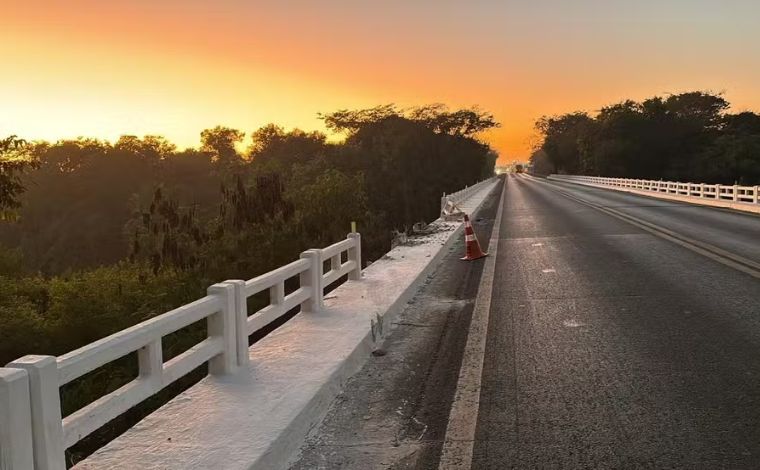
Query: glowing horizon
x,y
174,68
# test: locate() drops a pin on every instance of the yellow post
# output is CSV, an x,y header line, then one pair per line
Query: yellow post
x,y
353,227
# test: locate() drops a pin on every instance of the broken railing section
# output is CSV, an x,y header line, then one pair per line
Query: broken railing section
x,y
31,424
450,202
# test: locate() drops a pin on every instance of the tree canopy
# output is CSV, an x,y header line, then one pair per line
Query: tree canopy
x,y
688,136
466,122
14,160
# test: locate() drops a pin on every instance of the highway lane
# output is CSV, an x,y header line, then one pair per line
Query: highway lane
x,y
611,347
728,230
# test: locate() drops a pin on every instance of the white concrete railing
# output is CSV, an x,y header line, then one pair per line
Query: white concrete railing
x,y
746,194
30,420
462,195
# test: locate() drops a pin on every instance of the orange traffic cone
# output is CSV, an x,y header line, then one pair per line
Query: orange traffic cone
x,y
473,250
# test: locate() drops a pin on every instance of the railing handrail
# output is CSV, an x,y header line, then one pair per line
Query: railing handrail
x,y
267,280
79,362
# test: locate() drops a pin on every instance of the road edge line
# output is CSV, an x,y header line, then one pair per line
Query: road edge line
x,y
459,441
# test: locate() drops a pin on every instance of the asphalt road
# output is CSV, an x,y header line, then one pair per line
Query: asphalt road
x,y
729,230
611,347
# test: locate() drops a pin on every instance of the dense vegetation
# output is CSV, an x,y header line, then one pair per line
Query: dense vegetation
x,y
99,236
684,137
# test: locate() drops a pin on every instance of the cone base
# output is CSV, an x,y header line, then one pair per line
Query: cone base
x,y
473,258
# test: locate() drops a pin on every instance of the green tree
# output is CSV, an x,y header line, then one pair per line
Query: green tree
x,y
540,164
220,142
14,160
151,147
465,122
461,123
276,150
565,140
686,136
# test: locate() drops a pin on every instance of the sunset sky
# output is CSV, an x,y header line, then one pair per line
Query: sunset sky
x,y
175,67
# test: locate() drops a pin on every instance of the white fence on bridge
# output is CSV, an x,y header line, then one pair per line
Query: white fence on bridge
x,y
31,427
33,433
718,192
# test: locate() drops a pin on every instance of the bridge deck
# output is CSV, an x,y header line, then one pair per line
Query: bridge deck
x,y
609,345
259,418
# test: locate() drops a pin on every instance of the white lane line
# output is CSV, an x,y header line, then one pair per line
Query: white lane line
x,y
459,442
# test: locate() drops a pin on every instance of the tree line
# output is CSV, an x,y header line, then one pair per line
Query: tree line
x,y
683,137
98,236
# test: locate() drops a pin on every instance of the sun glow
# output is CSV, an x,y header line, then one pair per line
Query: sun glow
x,y
173,68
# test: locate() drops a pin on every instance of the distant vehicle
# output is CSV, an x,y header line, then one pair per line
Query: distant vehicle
x,y
519,168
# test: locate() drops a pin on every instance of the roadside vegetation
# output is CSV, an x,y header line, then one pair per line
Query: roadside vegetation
x,y
98,236
684,137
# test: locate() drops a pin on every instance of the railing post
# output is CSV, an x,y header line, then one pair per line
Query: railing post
x,y
355,254
150,360
16,448
755,195
312,279
222,325
45,403
736,192
335,262
241,321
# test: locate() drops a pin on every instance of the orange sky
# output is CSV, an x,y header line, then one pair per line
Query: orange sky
x,y
175,67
